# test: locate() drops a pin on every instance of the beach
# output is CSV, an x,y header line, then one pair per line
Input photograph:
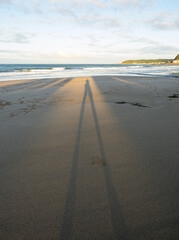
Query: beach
x,y
90,158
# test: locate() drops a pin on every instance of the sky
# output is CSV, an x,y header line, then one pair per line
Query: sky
x,y
87,31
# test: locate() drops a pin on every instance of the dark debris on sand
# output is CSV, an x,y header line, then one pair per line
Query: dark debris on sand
x,y
133,104
4,103
176,95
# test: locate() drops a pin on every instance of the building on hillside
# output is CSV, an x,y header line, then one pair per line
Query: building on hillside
x,y
175,61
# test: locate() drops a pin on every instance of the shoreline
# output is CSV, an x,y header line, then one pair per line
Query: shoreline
x,y
30,71
18,81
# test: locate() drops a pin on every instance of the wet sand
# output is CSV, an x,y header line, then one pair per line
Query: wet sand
x,y
89,158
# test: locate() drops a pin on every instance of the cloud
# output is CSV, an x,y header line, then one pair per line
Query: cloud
x,y
160,49
15,37
5,1
137,39
8,51
63,54
154,49
81,2
134,2
103,3
26,7
99,21
87,19
6,55
104,13
164,21
73,7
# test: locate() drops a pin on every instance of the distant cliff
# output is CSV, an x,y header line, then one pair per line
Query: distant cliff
x,y
153,61
177,57
148,61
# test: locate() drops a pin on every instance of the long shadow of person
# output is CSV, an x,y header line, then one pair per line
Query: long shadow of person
x,y
117,218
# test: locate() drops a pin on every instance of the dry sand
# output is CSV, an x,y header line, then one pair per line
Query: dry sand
x,y
89,158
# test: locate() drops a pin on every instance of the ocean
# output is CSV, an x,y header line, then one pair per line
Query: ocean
x,y
34,71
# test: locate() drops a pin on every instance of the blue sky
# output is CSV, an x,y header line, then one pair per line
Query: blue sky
x,y
87,31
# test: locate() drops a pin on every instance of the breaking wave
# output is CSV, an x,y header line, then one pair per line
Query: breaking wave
x,y
33,71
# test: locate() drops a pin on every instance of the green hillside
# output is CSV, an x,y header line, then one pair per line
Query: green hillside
x,y
148,61
177,57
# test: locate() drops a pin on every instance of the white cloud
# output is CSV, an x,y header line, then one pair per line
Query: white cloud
x,y
5,1
103,3
159,50
62,54
99,21
14,36
164,22
135,2
8,51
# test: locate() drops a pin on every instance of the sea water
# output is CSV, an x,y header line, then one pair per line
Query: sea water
x,y
34,71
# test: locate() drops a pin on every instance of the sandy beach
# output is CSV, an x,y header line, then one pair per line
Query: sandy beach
x,y
89,158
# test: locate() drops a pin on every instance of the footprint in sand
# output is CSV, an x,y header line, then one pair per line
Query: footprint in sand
x,y
4,103
97,161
